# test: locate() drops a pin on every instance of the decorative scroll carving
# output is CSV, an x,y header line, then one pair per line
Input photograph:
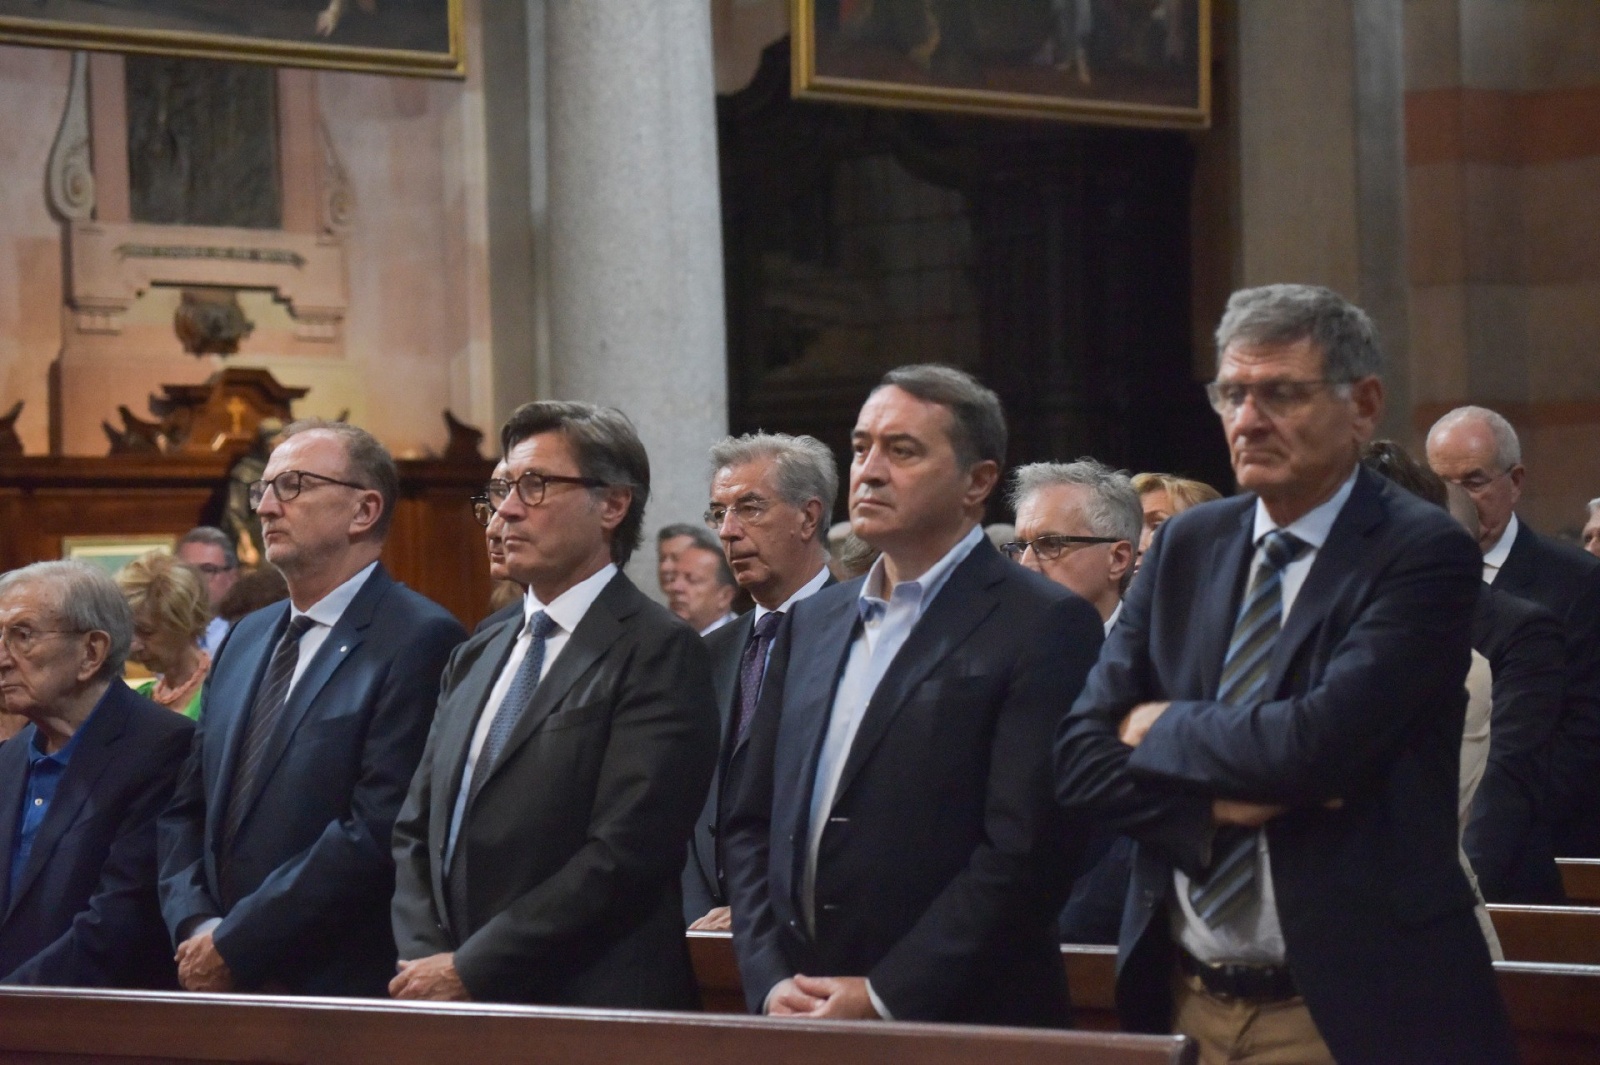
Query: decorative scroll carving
x,y
70,178
338,201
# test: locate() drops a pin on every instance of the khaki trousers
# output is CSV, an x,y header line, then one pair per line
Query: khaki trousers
x,y
1236,1032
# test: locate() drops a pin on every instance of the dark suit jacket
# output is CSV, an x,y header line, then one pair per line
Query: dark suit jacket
x,y
1368,707
704,885
570,853
944,862
304,888
1509,838
85,913
1566,581
511,610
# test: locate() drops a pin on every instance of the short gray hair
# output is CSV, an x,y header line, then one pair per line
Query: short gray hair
x,y
369,461
211,536
1594,505
803,468
1111,506
1507,448
87,600
977,421
1275,315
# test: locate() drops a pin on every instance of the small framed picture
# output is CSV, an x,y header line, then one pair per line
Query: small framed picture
x,y
111,553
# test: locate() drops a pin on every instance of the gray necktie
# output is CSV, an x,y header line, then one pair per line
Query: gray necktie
x,y
265,714
518,696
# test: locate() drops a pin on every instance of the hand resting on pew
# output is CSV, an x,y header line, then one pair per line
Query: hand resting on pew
x,y
717,919
840,998
201,967
433,978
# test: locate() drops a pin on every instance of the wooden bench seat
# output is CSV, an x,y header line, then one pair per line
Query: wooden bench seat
x,y
144,1028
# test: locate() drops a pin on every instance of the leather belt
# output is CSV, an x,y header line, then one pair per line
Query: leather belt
x,y
1251,983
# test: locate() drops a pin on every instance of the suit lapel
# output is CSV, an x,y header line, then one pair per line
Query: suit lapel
x,y
13,783
1211,624
1516,574
469,702
89,760
234,716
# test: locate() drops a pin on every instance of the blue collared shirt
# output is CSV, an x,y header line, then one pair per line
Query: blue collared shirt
x,y
44,776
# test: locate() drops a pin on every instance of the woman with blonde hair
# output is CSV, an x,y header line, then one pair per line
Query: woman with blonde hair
x,y
170,612
1162,495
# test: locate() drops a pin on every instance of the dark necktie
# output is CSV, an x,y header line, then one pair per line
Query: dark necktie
x,y
1231,885
511,708
265,714
752,668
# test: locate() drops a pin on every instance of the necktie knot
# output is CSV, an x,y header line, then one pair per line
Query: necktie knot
x,y
767,625
298,627
1279,548
541,625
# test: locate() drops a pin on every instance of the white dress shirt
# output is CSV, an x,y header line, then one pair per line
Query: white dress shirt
x,y
806,591
1496,556
1254,936
1111,621
566,610
717,624
211,639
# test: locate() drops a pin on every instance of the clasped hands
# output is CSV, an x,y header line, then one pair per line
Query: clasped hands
x,y
1137,725
201,967
433,978
839,998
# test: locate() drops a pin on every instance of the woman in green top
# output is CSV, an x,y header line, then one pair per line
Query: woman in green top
x,y
170,611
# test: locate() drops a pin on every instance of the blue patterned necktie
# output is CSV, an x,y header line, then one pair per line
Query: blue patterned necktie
x,y
518,696
1231,885
265,713
752,668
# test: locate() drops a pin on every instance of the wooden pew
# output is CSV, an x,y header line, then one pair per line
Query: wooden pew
x,y
1567,935
144,1028
1581,879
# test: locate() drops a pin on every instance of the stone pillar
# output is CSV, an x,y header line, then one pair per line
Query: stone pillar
x,y
634,245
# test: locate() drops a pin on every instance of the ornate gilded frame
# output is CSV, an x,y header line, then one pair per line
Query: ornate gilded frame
x,y
926,93
18,25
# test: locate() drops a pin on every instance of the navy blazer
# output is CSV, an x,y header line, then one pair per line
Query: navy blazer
x,y
1566,581
944,861
84,913
1509,839
1367,706
564,885
303,890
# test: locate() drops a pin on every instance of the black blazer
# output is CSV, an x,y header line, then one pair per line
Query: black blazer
x,y
1368,707
1566,581
84,913
303,890
570,853
944,862
1508,839
704,883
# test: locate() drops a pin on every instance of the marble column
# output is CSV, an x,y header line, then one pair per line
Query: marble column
x,y
634,241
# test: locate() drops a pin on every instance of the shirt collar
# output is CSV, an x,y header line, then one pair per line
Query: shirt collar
x,y
808,589
925,587
1496,555
331,607
36,752
1112,620
568,608
1313,526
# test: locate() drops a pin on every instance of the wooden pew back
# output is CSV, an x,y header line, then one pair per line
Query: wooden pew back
x,y
1567,935
1581,879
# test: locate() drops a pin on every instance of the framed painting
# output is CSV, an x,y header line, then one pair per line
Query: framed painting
x,y
378,36
111,553
1118,62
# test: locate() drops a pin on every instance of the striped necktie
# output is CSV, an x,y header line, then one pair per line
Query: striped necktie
x,y
1231,885
265,713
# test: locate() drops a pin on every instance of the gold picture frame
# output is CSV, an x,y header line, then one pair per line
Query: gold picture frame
x,y
413,37
1112,62
111,553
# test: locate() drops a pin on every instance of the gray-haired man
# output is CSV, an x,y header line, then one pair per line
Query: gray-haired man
x,y
771,496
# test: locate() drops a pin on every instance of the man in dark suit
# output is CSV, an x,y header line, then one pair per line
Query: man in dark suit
x,y
275,863
1478,449
1277,720
541,845
80,788
771,495
894,851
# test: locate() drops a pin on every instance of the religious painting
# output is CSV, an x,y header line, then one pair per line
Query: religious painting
x,y
111,553
1119,62
380,36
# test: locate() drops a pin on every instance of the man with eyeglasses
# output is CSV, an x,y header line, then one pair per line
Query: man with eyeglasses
x,y
81,787
541,846
1077,523
771,495
1478,449
1276,720
494,530
275,863
209,550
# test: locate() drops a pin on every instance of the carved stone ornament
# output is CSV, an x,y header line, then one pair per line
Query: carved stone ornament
x,y
338,201
70,178
209,321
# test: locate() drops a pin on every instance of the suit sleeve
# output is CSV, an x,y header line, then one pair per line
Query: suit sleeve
x,y
746,834
1004,883
308,896
1405,654
181,831
119,927
1091,761
652,782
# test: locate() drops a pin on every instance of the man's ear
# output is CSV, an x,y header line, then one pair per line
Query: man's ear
x,y
1121,561
1367,397
613,506
94,655
811,519
368,510
981,481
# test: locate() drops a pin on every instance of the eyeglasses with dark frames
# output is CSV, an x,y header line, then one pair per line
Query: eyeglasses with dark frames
x,y
482,509
1050,546
290,483
531,487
